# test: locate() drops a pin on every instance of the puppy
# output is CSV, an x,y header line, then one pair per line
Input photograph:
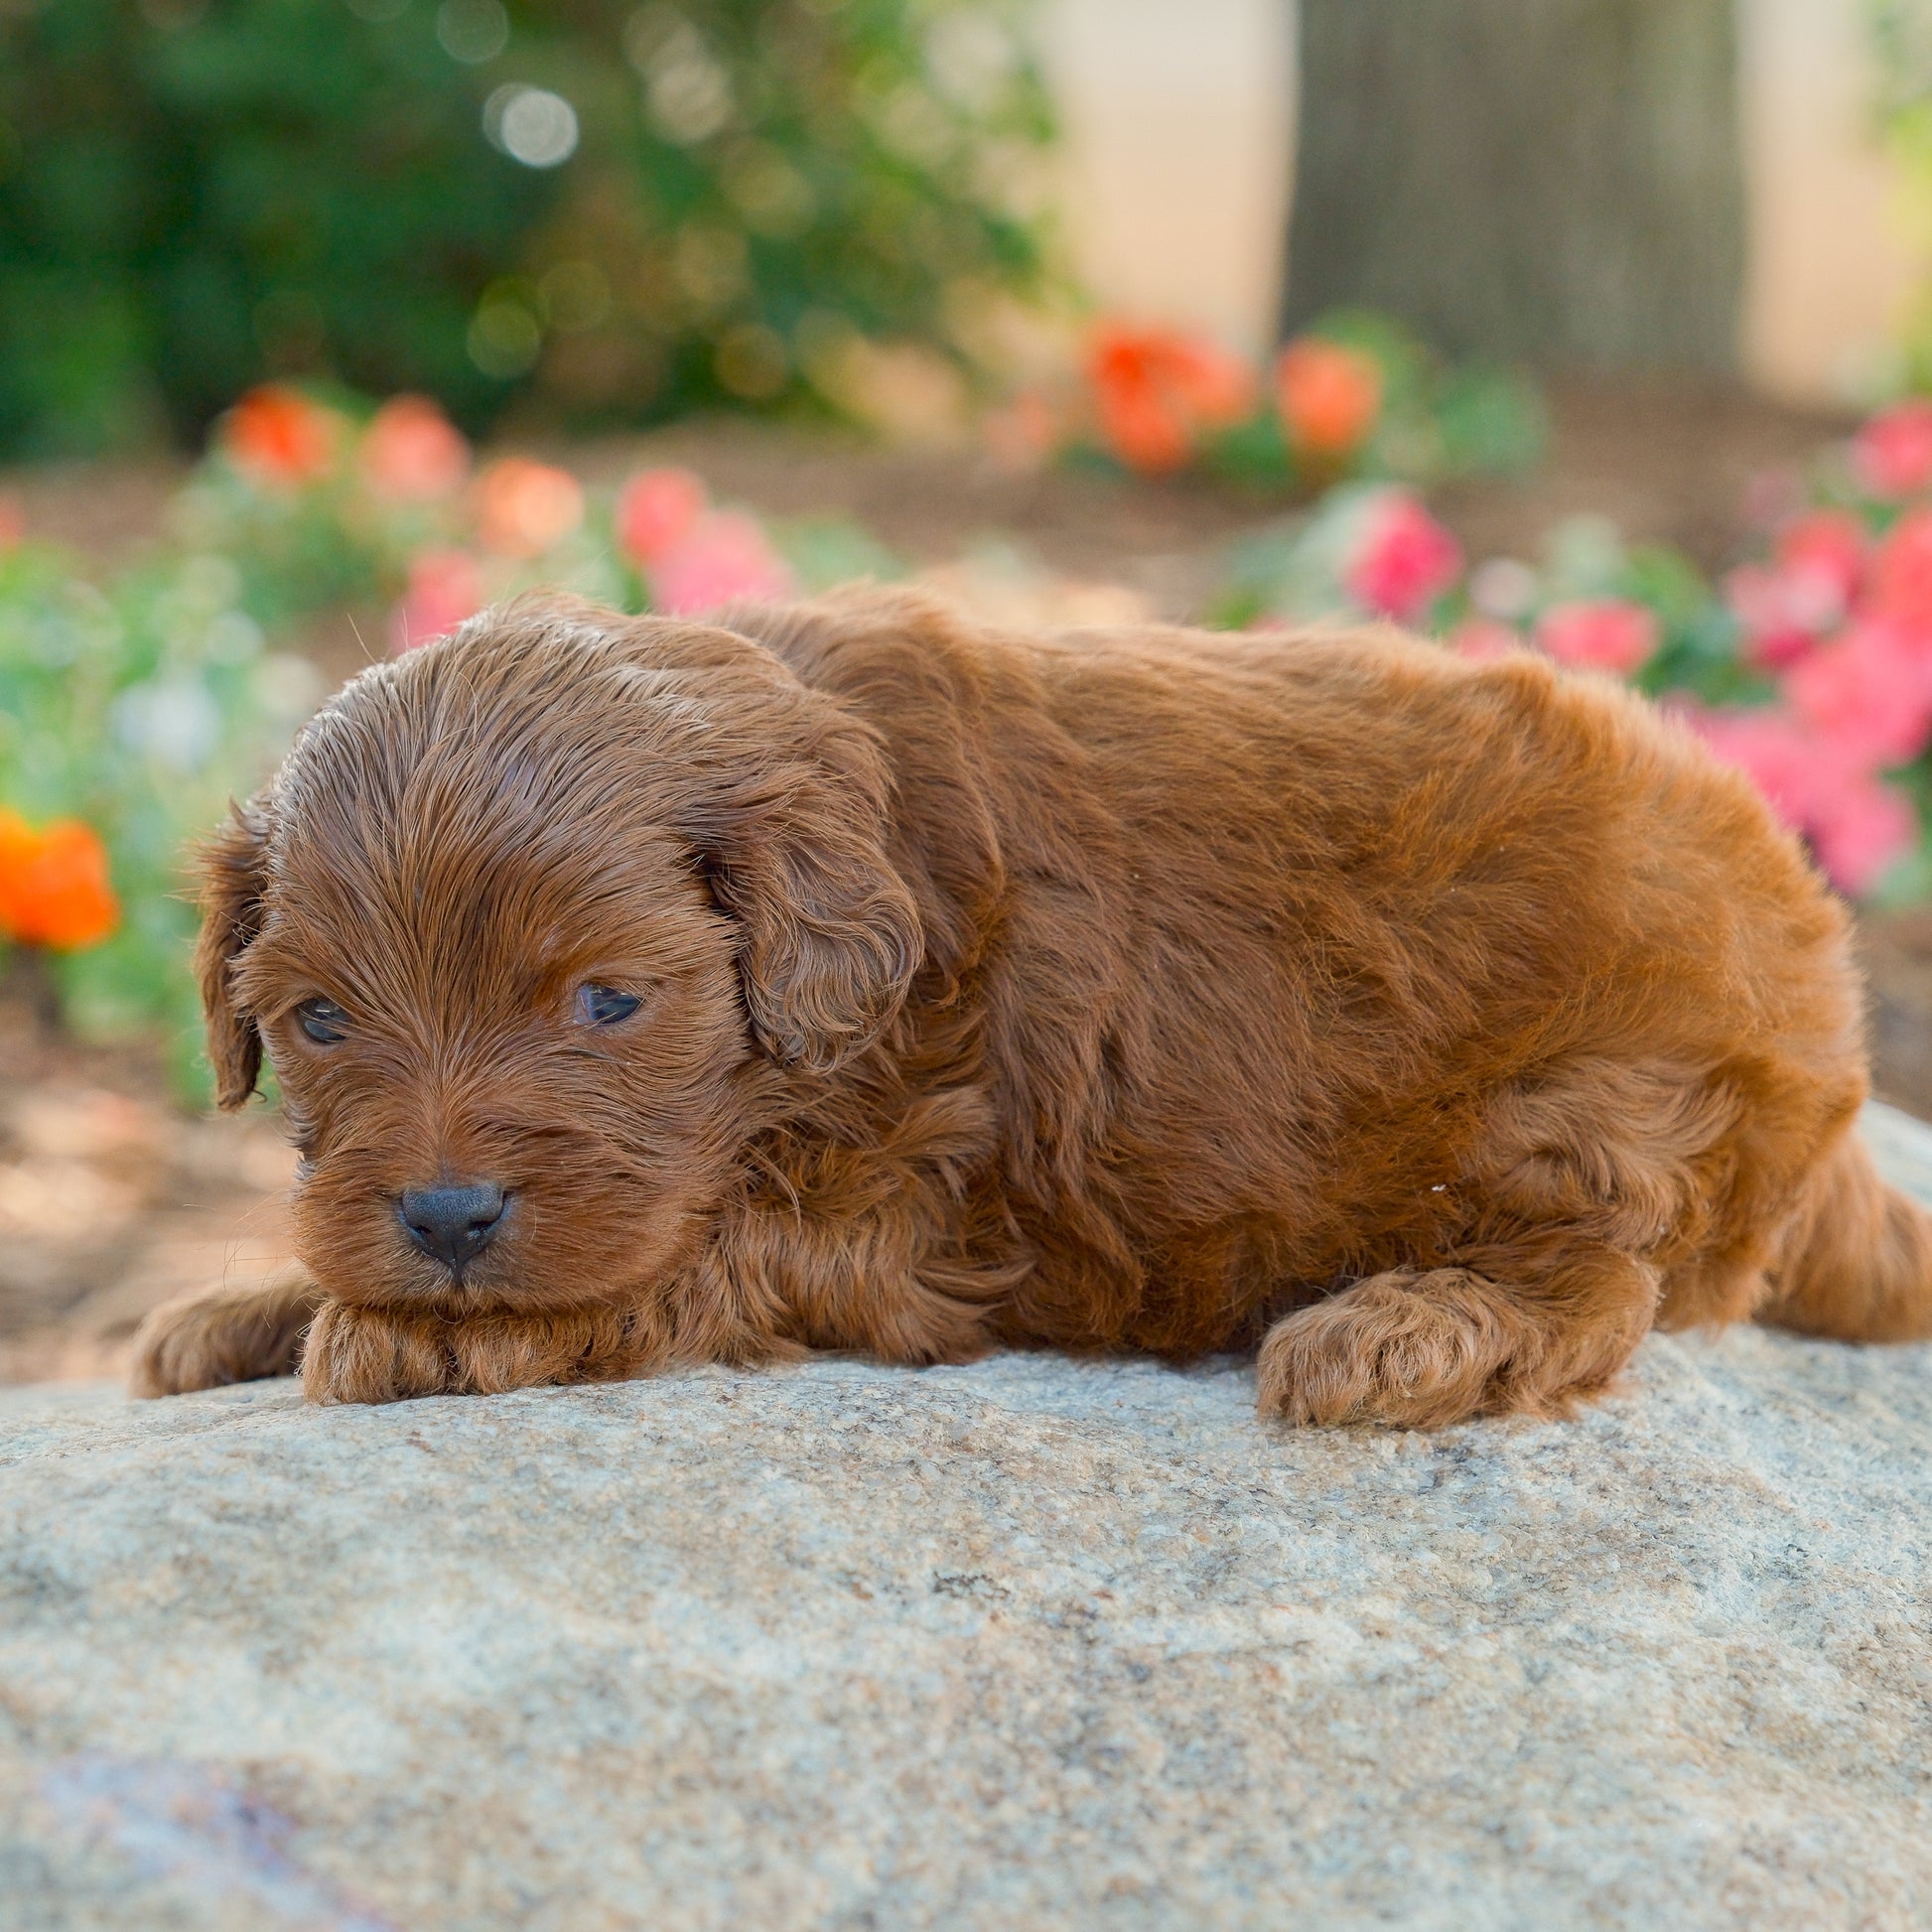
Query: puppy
x,y
855,976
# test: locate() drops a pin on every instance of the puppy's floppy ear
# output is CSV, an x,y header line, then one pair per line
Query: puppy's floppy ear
x,y
232,868
793,844
783,794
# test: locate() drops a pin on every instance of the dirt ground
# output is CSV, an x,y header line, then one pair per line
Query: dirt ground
x,y
111,1198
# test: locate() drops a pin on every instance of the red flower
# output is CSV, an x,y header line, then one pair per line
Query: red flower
x,y
1405,559
1605,635
1892,455
445,588
1156,390
657,510
279,437
1328,396
55,889
412,450
524,506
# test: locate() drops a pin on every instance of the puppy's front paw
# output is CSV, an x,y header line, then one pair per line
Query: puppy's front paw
x,y
1413,1350
366,1355
216,1335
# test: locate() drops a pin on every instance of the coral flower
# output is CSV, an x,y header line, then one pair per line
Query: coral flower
x,y
524,506
1156,390
1892,455
277,436
1329,396
55,889
445,587
411,451
1601,634
1404,559
657,510
727,556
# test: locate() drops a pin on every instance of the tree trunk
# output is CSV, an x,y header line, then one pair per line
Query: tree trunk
x,y
1554,181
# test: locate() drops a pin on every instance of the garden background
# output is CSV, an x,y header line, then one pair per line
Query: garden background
x,y
1590,326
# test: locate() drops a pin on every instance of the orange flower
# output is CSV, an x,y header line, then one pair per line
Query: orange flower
x,y
411,450
524,506
54,884
1156,391
278,436
1328,396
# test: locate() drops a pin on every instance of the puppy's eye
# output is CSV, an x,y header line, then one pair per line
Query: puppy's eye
x,y
323,1020
605,1006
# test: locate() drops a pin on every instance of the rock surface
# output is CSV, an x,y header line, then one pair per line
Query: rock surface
x,y
1028,1644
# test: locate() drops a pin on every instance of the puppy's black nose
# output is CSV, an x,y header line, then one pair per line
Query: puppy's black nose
x,y
455,1225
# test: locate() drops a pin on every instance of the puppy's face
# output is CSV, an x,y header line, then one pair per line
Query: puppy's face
x,y
534,926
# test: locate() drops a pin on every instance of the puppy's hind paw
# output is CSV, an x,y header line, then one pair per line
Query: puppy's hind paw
x,y
216,1335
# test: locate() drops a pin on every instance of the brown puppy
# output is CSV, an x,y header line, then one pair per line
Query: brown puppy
x,y
857,976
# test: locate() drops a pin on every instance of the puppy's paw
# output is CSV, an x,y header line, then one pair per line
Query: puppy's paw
x,y
216,1335
1414,1350
367,1355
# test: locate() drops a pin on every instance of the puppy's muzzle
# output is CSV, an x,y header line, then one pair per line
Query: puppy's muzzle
x,y
452,1225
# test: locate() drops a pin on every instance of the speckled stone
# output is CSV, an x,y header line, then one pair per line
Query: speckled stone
x,y
1033,1643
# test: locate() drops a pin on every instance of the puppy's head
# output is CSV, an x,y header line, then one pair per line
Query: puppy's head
x,y
533,924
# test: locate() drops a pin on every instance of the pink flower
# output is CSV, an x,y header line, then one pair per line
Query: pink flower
x,y
1606,634
13,520
445,587
1900,584
1859,827
727,556
1783,612
1770,748
1405,559
412,450
524,506
1867,695
1482,639
1856,824
1892,455
657,510
1828,547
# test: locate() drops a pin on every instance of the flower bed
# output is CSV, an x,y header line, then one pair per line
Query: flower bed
x,y
131,711
1809,664
1355,397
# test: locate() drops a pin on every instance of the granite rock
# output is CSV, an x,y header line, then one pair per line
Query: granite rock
x,y
1033,1643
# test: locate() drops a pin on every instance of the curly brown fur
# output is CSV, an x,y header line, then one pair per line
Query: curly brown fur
x,y
1437,1027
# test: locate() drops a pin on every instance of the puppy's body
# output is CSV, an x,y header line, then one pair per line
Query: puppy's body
x,y
1439,1028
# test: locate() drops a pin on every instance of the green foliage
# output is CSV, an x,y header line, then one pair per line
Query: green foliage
x,y
714,200
137,708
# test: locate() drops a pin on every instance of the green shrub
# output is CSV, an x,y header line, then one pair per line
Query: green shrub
x,y
713,200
